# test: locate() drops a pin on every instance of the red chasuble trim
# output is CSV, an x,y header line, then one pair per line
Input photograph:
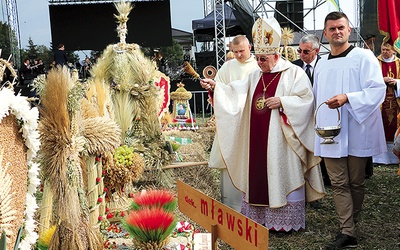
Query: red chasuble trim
x,y
390,108
259,127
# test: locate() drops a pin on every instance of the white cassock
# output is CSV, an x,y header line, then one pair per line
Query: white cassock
x,y
230,71
359,76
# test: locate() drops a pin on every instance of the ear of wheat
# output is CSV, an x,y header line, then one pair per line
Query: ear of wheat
x,y
7,211
190,70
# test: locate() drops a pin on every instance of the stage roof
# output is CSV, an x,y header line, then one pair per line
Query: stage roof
x,y
203,29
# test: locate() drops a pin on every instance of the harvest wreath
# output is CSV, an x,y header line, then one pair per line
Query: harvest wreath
x,y
17,107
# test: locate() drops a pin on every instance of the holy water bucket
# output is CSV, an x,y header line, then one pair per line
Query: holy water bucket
x,y
327,132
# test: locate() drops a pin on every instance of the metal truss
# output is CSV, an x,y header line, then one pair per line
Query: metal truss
x,y
15,40
219,22
263,7
65,2
208,7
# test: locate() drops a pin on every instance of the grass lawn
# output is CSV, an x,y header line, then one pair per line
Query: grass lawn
x,y
379,227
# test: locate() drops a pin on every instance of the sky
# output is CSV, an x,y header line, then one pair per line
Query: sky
x,y
34,21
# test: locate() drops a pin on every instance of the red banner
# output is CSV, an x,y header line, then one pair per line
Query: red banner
x,y
389,22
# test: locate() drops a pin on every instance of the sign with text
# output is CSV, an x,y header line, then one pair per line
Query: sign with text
x,y
230,226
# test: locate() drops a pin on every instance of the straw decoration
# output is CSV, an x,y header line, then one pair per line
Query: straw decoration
x,y
46,208
101,135
190,70
7,213
287,36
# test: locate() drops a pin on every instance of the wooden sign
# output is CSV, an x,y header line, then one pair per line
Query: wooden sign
x,y
223,222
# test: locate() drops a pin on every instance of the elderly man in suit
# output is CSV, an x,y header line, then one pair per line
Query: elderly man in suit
x,y
308,51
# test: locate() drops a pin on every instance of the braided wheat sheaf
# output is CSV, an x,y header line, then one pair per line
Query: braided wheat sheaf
x,y
13,178
7,214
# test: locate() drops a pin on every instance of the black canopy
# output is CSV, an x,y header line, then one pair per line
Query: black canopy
x,y
204,31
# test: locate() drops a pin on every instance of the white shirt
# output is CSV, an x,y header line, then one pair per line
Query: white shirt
x,y
312,64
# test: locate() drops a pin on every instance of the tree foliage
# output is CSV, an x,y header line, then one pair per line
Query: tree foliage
x,y
8,40
174,53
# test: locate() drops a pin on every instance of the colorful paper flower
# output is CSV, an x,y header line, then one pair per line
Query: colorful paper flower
x,y
149,224
154,198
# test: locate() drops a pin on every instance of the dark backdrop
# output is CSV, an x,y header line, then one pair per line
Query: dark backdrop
x,y
93,26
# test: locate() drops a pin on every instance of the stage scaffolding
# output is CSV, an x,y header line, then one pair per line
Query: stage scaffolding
x,y
10,7
60,2
266,8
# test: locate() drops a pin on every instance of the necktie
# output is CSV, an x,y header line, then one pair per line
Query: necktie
x,y
308,71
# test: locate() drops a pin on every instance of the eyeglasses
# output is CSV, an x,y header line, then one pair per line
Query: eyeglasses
x,y
305,52
261,59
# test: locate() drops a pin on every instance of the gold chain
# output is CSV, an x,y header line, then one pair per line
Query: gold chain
x,y
260,102
262,79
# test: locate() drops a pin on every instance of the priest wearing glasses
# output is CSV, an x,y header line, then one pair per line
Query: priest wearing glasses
x,y
265,129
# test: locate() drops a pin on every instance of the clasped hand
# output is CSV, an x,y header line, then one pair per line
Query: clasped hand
x,y
389,80
207,84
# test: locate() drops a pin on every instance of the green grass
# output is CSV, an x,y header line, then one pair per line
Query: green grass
x,y
379,227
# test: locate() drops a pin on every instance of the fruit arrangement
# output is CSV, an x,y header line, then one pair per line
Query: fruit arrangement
x,y
125,166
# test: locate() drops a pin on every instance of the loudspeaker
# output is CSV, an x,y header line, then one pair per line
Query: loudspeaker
x,y
293,10
204,59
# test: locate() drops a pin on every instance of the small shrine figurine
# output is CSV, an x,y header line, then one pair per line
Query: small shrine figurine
x,y
183,117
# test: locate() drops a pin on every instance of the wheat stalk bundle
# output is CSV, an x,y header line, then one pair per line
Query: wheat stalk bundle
x,y
100,187
7,212
46,208
61,135
190,70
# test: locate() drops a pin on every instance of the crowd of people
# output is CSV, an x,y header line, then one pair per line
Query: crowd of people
x,y
272,166
31,68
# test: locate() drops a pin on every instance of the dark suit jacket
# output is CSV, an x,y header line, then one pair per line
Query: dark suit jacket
x,y
300,63
60,57
25,74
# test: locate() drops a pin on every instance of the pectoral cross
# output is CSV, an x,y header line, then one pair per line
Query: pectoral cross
x,y
390,73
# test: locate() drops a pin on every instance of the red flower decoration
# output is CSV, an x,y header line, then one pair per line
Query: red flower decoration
x,y
98,159
99,200
98,179
150,219
154,198
122,214
107,209
105,190
110,215
99,218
